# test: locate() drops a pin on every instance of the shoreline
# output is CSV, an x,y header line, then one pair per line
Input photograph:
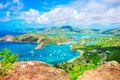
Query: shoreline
x,y
69,61
81,53
20,42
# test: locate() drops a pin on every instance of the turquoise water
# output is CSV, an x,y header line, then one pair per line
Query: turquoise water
x,y
92,42
83,35
79,35
53,34
50,54
15,33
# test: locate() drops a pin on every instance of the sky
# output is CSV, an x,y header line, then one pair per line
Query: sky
x,y
47,13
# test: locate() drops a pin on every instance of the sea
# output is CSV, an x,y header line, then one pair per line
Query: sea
x,y
50,54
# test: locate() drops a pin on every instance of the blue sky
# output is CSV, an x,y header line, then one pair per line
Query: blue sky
x,y
46,13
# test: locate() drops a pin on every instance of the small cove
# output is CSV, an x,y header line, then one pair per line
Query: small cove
x,y
50,54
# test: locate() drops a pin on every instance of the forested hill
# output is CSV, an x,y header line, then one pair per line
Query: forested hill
x,y
78,30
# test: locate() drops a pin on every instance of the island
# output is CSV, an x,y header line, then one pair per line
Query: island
x,y
98,52
40,39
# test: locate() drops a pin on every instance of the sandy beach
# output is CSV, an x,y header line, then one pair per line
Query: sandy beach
x,y
81,53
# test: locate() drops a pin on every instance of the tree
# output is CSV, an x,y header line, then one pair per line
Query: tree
x,y
7,60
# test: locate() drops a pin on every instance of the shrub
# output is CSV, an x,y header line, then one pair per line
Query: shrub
x,y
7,60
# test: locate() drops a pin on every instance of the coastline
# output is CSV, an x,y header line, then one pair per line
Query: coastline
x,y
20,42
81,53
69,61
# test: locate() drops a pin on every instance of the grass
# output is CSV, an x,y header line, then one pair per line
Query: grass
x,y
107,49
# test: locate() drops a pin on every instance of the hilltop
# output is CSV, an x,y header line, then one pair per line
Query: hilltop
x,y
40,39
107,48
108,71
115,31
35,70
75,30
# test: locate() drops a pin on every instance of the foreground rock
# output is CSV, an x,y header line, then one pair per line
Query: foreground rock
x,y
34,70
109,71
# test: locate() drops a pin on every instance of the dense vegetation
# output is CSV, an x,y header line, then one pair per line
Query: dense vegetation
x,y
115,32
106,49
76,30
93,56
7,58
41,39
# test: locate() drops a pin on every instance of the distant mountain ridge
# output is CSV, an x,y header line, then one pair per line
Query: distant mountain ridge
x,y
70,29
67,27
115,31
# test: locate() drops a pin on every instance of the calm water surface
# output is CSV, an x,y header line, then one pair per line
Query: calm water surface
x,y
51,54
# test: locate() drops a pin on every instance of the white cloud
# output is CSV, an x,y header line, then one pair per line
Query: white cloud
x,y
31,16
12,5
112,1
94,7
6,17
61,15
56,16
76,13
113,15
7,14
16,1
2,6
88,14
16,5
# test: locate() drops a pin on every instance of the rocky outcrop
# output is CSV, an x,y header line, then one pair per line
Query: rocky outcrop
x,y
109,71
40,39
39,46
34,70
7,38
